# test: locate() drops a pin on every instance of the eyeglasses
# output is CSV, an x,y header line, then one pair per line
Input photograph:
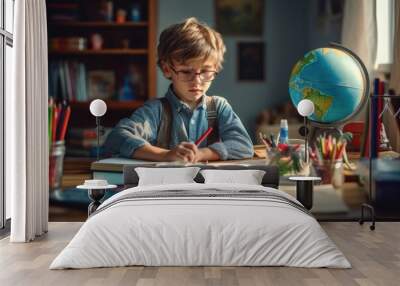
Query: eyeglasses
x,y
190,75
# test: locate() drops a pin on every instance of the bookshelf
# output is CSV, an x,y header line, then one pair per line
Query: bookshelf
x,y
101,49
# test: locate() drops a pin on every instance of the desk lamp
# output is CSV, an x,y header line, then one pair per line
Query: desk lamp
x,y
305,108
98,108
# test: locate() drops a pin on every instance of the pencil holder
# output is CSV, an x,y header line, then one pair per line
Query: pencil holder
x,y
289,158
56,163
331,172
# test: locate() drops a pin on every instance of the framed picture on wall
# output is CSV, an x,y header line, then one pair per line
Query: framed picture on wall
x,y
250,61
101,84
239,18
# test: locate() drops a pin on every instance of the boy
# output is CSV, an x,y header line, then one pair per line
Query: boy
x,y
190,54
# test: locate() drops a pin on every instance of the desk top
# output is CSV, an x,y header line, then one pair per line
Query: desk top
x,y
116,164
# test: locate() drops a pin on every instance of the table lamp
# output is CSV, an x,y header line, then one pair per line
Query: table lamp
x,y
98,108
305,108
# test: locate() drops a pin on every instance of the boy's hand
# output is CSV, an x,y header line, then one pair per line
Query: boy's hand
x,y
185,151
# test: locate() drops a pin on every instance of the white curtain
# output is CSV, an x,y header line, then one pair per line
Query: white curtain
x,y
359,34
26,124
359,30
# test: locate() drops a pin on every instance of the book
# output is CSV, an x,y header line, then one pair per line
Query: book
x,y
81,88
68,84
63,82
67,81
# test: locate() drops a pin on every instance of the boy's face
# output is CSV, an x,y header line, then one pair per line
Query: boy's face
x,y
191,79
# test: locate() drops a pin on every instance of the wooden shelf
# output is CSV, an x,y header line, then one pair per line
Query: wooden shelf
x,y
102,52
111,104
100,24
137,58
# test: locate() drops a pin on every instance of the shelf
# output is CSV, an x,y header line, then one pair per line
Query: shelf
x,y
102,52
99,24
111,104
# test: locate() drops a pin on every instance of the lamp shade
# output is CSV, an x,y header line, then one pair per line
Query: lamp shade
x,y
305,107
98,107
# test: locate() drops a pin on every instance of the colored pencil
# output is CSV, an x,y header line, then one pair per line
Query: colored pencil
x,y
65,123
263,139
204,136
273,144
55,119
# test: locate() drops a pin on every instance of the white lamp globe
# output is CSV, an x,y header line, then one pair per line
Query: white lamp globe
x,y
98,107
305,107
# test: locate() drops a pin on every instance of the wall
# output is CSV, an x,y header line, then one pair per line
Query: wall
x,y
286,30
323,31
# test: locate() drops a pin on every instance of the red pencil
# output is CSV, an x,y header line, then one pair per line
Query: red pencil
x,y
65,123
342,149
204,136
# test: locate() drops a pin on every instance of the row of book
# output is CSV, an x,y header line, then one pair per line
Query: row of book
x,y
61,10
82,142
71,81
67,81
68,44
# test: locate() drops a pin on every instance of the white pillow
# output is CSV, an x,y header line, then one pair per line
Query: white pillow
x,y
248,177
164,176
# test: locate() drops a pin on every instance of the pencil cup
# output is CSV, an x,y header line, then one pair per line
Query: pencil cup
x,y
331,172
56,163
337,174
290,158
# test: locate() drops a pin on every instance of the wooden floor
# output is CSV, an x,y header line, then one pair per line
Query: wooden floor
x,y
375,257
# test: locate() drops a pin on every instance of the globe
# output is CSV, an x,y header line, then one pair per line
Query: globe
x,y
335,80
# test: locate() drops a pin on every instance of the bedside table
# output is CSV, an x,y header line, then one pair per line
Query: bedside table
x,y
304,190
96,191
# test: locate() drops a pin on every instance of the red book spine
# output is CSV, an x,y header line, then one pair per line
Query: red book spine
x,y
381,91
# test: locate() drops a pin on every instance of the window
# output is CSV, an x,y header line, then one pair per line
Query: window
x,y
385,28
9,15
6,43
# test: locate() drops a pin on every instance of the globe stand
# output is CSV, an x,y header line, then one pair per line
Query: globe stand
x,y
372,211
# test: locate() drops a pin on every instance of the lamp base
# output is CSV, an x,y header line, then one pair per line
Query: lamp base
x,y
95,195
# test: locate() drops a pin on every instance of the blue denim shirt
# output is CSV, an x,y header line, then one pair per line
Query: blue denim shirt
x,y
187,125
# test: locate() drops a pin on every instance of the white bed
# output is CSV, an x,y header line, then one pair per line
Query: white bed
x,y
245,225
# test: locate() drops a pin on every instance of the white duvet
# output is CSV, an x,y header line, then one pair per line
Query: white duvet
x,y
200,231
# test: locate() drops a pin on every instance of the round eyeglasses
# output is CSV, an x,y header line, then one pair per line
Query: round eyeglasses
x,y
190,75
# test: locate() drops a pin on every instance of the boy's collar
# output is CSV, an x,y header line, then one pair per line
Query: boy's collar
x,y
179,104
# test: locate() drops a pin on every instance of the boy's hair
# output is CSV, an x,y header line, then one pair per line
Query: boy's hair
x,y
190,40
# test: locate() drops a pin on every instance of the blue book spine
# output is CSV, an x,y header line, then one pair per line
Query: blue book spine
x,y
374,121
